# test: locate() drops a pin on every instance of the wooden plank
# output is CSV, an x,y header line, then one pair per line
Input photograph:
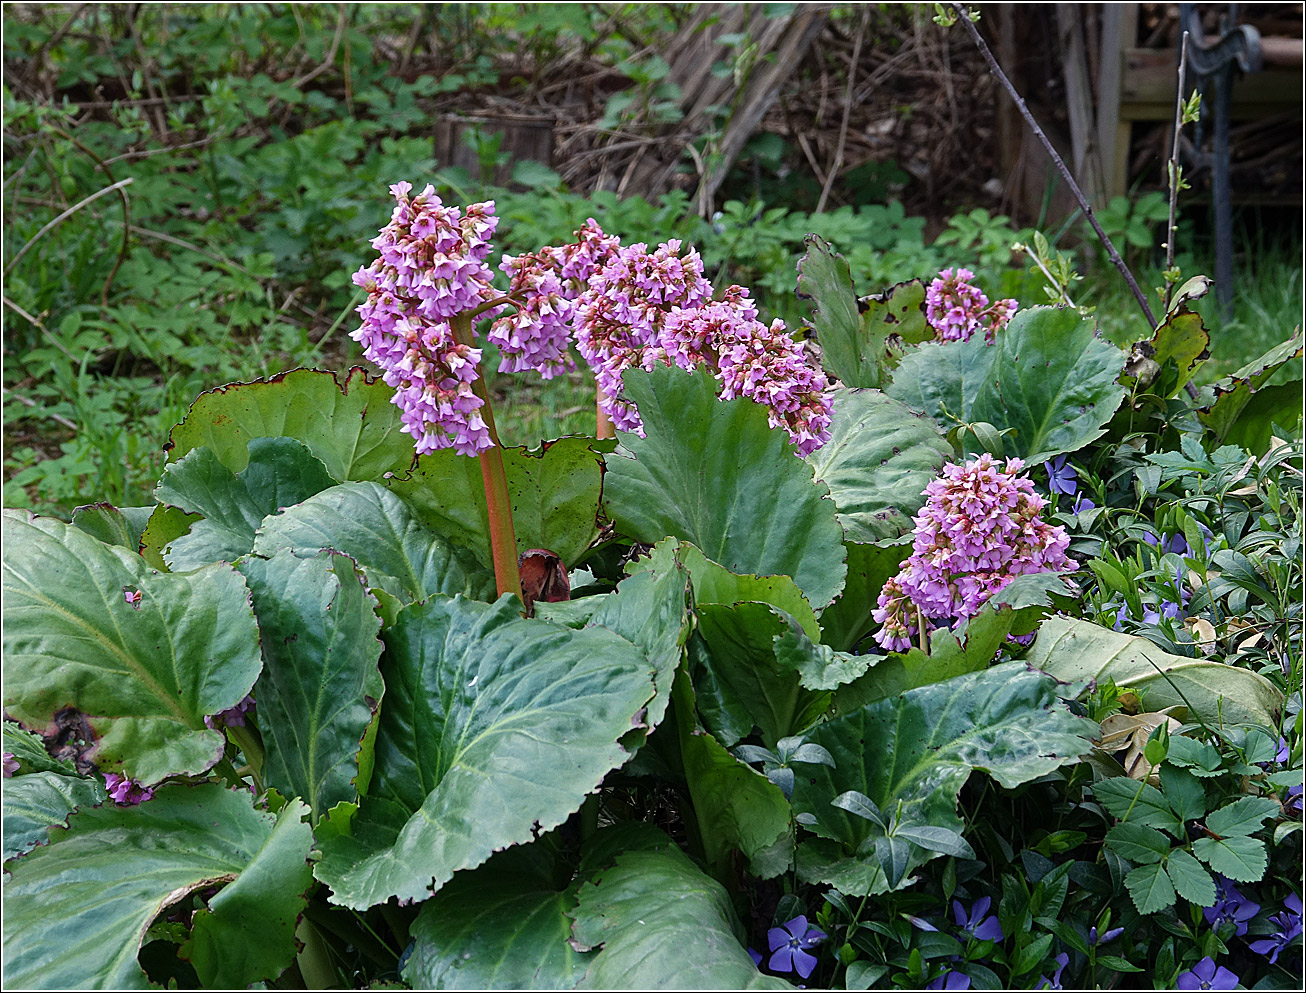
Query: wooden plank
x,y
1147,89
1085,164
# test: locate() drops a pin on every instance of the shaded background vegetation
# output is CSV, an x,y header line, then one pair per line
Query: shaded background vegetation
x,y
239,157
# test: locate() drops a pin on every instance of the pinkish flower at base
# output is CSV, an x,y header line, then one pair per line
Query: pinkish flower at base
x,y
126,791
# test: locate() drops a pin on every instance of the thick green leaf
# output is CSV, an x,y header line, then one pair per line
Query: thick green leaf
x,y
716,474
507,924
1054,381
1239,857
918,749
1047,376
713,583
736,806
29,751
165,525
320,686
741,673
145,675
494,728
1190,880
825,279
970,648
891,322
1150,888
554,492
379,531
1243,816
1214,692
34,802
280,473
1182,340
1137,803
492,930
819,667
353,427
1234,410
113,525
942,379
848,620
651,611
663,924
1137,843
77,908
880,456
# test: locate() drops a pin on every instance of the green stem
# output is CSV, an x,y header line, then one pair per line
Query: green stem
x,y
503,539
589,817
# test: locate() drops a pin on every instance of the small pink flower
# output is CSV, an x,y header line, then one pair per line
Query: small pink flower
x,y
132,596
126,791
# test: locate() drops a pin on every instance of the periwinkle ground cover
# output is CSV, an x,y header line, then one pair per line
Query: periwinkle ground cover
x,y
296,707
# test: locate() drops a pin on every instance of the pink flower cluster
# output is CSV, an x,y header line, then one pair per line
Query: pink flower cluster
x,y
548,283
643,308
126,791
624,308
979,529
622,313
431,268
956,309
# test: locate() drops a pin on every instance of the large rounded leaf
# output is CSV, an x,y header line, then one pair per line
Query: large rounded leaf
x,y
942,379
1053,380
281,472
716,474
33,803
736,806
144,674
378,530
320,686
879,458
353,427
507,924
1048,377
910,756
554,492
494,728
77,909
663,924
1213,692
493,930
713,583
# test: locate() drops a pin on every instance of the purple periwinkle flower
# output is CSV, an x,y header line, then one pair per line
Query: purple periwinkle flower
x,y
1082,504
1292,805
1062,960
976,924
1061,476
1095,939
979,529
950,981
756,956
1289,924
1206,975
1230,907
789,946
1168,609
126,791
1174,545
